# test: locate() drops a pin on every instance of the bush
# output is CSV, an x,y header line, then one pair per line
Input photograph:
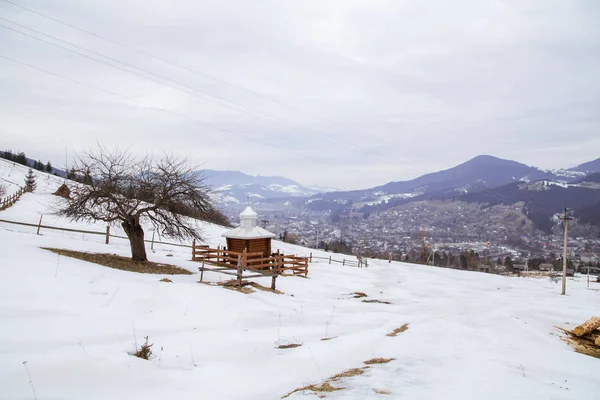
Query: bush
x,y
144,351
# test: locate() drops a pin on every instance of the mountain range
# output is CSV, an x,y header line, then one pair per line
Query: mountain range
x,y
483,179
234,187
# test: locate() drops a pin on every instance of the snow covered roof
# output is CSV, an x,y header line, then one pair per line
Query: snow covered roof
x,y
248,228
255,233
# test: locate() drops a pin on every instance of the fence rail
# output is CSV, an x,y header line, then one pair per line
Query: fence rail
x,y
105,233
8,201
359,262
256,262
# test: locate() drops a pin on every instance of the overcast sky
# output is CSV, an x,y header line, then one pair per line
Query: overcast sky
x,y
348,94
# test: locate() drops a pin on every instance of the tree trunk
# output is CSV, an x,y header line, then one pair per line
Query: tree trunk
x,y
135,233
587,327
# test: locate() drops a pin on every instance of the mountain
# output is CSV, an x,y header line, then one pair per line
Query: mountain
x,y
589,167
479,173
545,198
234,187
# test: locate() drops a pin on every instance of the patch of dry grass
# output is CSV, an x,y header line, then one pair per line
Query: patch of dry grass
x,y
328,338
243,289
325,387
358,295
584,344
247,287
122,263
376,301
289,346
264,288
396,331
348,374
166,280
144,352
380,391
379,361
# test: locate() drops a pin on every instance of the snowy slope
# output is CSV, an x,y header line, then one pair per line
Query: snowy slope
x,y
471,335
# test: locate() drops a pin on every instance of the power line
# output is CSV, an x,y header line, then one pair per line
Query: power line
x,y
215,127
166,61
147,54
202,95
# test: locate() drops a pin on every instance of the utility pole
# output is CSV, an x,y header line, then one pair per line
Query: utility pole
x,y
317,243
565,219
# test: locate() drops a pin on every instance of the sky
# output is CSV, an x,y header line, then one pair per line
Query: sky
x,y
345,94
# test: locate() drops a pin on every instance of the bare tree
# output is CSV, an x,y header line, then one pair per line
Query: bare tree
x,y
119,188
2,190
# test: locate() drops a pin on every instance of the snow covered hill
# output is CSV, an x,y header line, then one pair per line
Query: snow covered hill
x,y
233,187
470,335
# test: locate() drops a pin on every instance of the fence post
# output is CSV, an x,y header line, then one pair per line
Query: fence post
x,y
40,224
152,243
329,259
311,256
239,272
275,272
367,263
343,261
107,240
194,252
202,271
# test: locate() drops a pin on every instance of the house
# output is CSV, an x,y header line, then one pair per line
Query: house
x,y
546,267
249,236
520,267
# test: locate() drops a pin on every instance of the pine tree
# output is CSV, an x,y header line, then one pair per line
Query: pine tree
x,y
30,184
48,167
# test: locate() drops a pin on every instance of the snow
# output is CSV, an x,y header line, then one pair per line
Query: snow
x,y
292,189
470,336
385,198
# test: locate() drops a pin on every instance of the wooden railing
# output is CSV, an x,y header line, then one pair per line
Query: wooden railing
x,y
359,262
276,264
8,201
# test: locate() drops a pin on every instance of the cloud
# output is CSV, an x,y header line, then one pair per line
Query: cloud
x,y
337,93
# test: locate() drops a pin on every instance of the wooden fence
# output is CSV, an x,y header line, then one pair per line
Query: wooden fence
x,y
359,262
8,201
105,233
254,262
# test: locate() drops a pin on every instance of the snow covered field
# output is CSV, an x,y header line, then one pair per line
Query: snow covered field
x,y
470,336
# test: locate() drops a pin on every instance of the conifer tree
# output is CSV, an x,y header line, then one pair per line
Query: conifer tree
x,y
30,184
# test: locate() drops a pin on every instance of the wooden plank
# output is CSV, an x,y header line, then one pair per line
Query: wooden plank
x,y
53,227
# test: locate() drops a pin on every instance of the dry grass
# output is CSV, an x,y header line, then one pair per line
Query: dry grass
x,y
289,346
396,331
247,287
376,301
379,361
358,295
325,387
328,338
122,263
243,289
379,391
264,288
348,374
166,280
584,344
144,352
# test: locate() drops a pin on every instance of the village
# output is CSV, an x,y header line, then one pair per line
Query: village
x,y
401,233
